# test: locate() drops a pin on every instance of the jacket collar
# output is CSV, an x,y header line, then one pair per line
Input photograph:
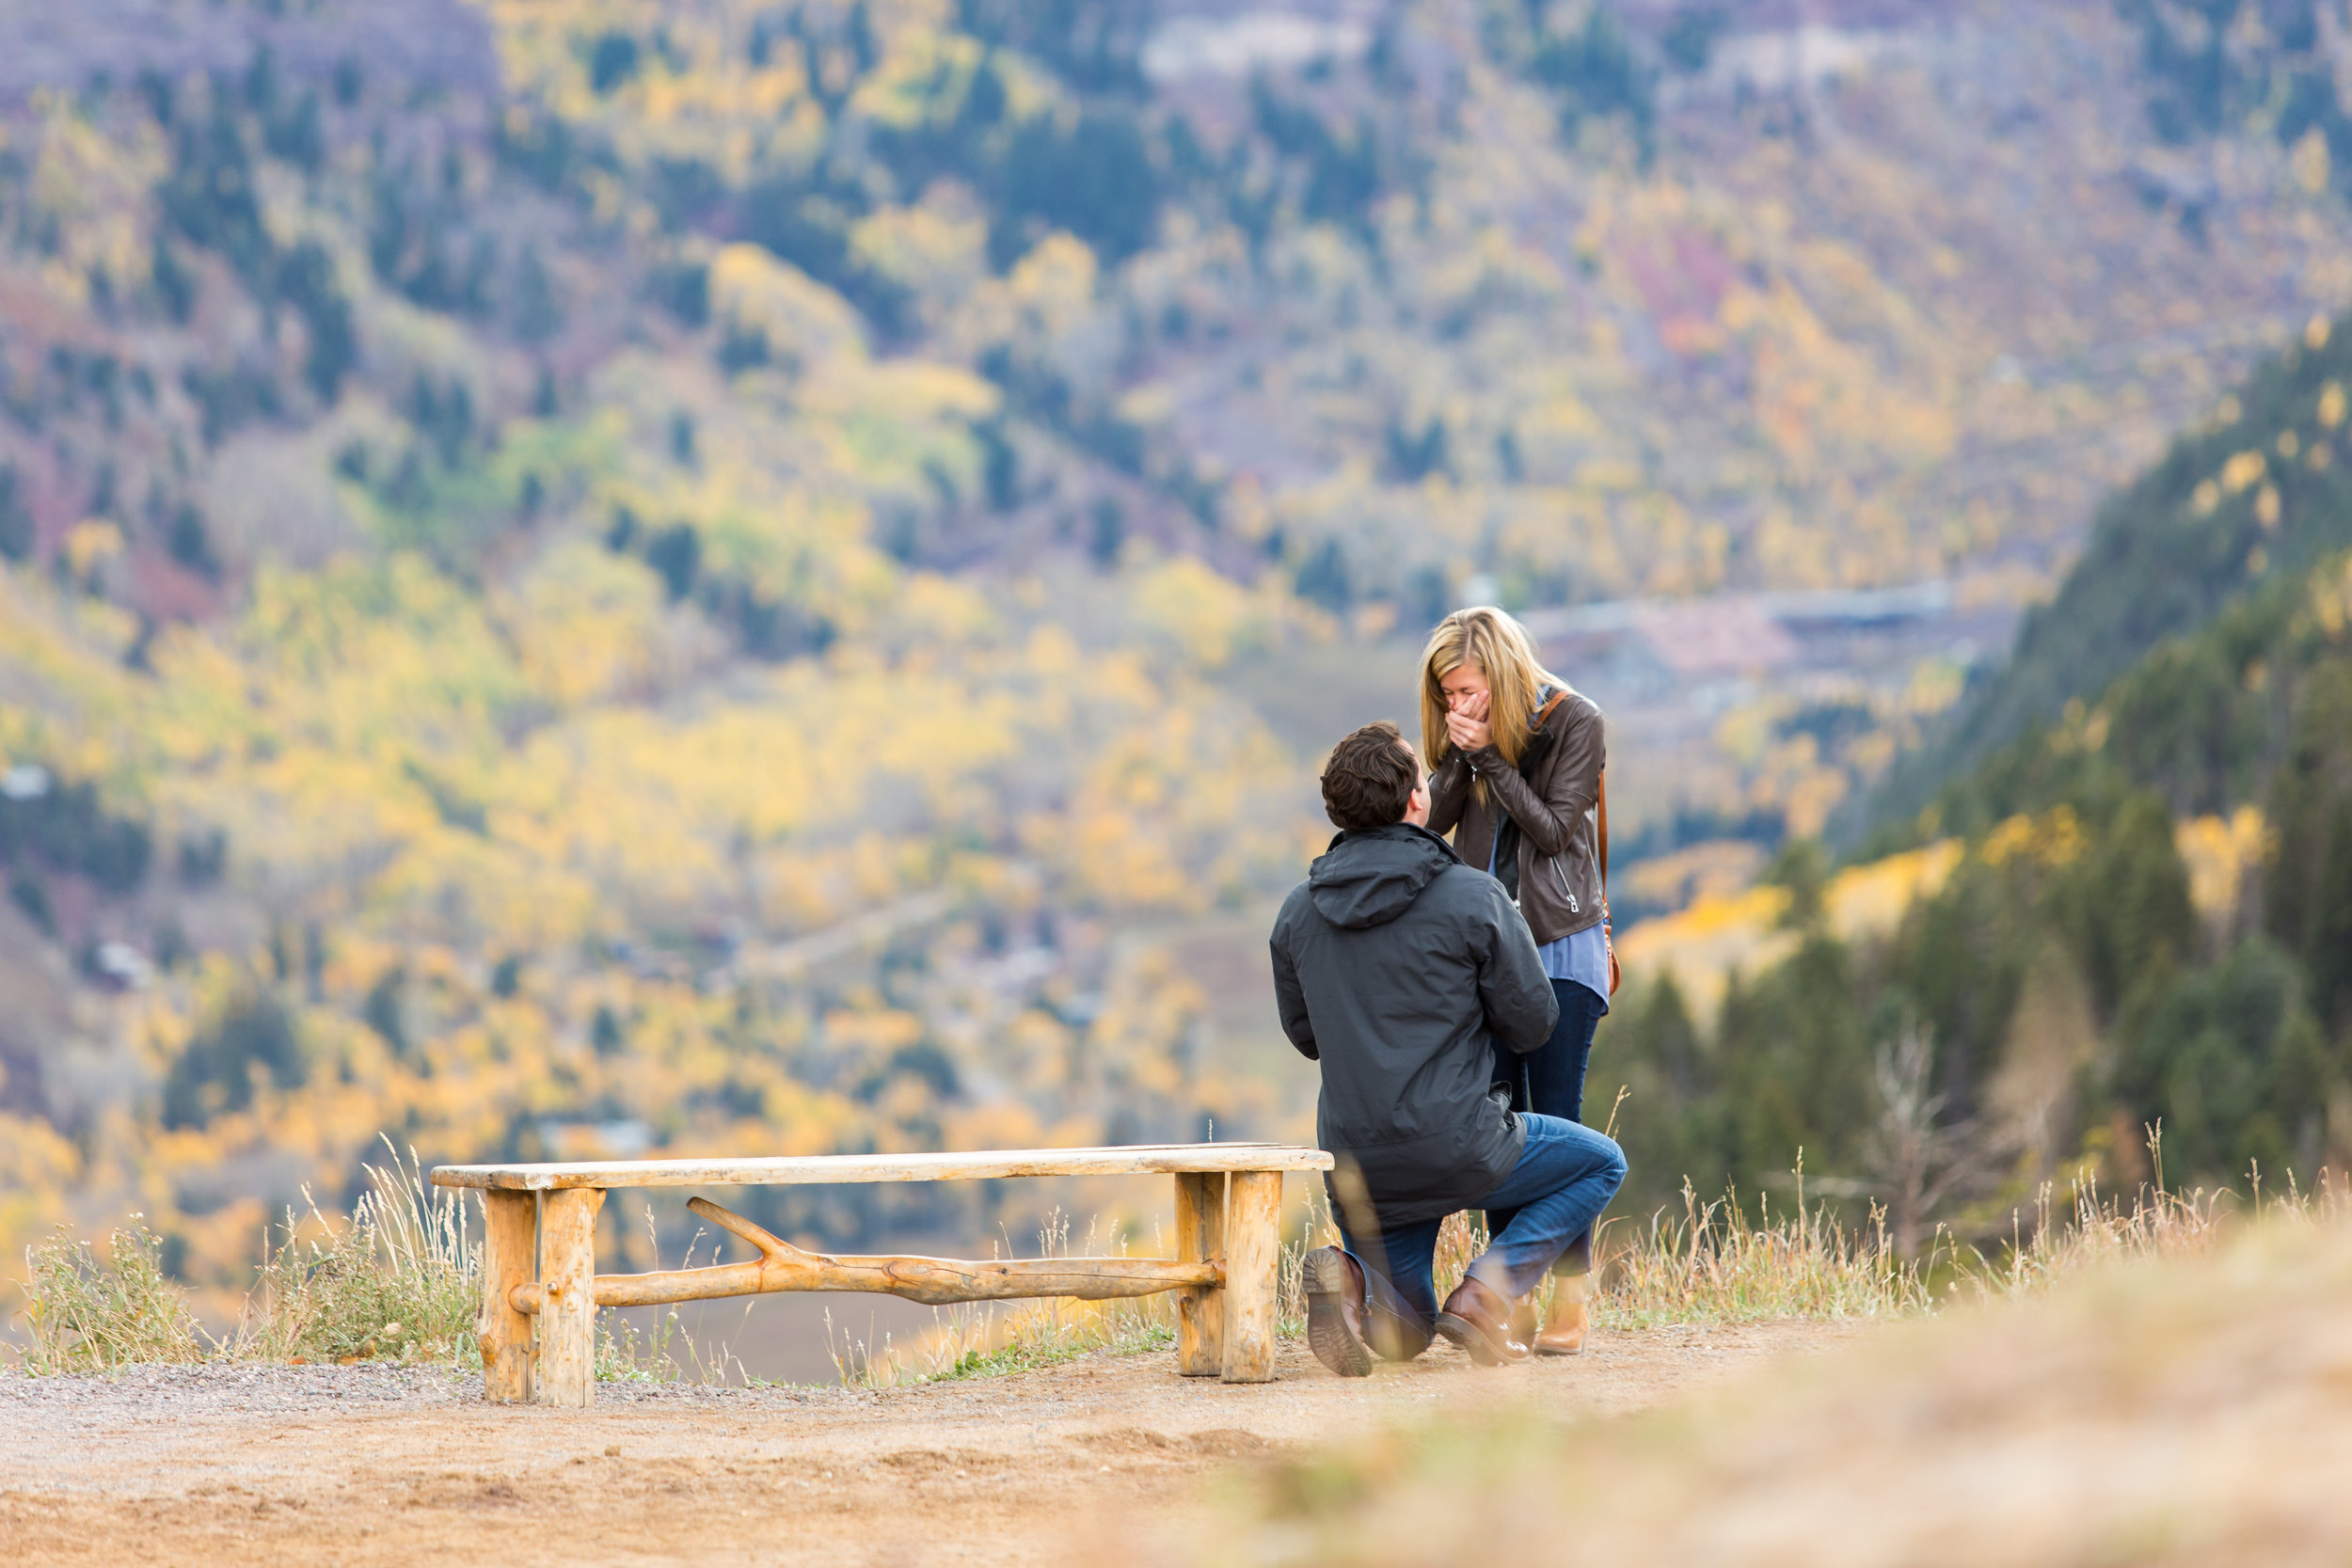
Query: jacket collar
x,y
1393,830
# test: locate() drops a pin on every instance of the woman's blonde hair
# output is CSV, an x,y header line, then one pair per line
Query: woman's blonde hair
x,y
1500,647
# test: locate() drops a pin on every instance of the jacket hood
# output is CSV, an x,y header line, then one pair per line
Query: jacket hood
x,y
1369,878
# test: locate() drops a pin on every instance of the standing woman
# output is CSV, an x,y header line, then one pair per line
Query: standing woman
x,y
1515,756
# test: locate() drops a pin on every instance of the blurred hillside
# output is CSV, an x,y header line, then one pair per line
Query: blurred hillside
x,y
2244,497
2135,916
617,576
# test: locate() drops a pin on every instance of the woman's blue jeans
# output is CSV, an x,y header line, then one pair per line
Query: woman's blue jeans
x,y
1566,1177
1550,1080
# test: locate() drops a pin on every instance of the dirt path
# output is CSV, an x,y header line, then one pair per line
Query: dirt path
x,y
333,1466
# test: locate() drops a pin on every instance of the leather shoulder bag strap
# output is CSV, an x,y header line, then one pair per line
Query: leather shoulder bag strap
x,y
1608,937
1603,784
1544,716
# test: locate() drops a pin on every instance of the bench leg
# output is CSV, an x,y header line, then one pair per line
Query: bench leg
x,y
1199,1310
567,1316
509,1255
1253,1258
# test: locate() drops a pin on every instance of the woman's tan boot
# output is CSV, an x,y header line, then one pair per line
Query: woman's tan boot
x,y
1566,1324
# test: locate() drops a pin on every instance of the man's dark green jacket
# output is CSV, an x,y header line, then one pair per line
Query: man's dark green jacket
x,y
1402,971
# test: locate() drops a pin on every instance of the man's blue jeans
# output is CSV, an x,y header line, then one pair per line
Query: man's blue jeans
x,y
1566,1177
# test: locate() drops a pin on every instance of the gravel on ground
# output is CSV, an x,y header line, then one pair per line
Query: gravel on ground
x,y
383,1465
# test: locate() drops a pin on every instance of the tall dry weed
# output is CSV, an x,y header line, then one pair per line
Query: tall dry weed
x,y
89,1310
2064,1238
396,1281
1712,1264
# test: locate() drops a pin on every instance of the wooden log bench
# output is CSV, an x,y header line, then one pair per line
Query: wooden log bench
x,y
541,1288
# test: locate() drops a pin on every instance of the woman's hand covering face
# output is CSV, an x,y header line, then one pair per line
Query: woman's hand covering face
x,y
1466,725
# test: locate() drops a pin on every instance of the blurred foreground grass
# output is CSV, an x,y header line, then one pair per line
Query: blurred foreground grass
x,y
2168,1389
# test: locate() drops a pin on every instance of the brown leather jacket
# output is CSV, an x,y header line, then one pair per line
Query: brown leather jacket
x,y
1560,890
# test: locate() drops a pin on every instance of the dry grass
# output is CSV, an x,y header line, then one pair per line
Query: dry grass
x,y
1711,1264
2160,1381
398,1281
89,1310
395,1281
2088,1231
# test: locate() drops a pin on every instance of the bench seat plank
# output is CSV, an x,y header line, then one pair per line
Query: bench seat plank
x,y
980,1165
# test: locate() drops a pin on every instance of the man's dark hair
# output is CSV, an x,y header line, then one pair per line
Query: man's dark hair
x,y
1369,780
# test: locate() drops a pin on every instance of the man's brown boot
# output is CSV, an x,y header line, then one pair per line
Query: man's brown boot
x,y
1335,1311
1567,1322
1478,1319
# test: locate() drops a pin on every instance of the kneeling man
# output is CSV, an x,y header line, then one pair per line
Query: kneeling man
x,y
1401,971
